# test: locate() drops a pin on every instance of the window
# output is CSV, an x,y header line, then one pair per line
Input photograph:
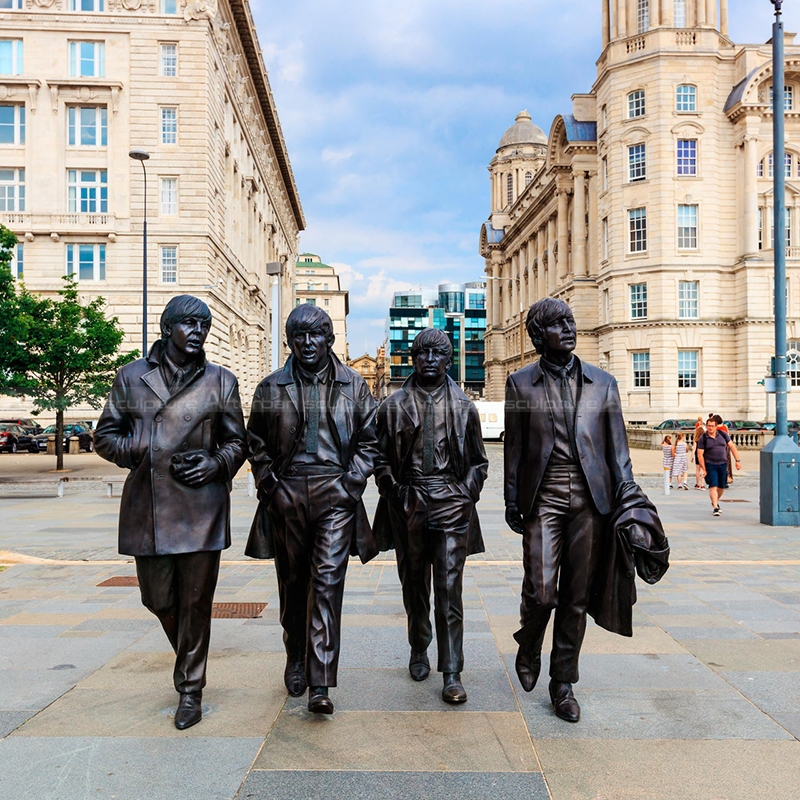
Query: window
x,y
606,305
168,262
687,369
793,362
688,297
509,188
604,175
637,224
687,156
528,178
169,125
788,98
641,370
760,170
642,16
687,227
87,126
12,4
87,191
760,228
637,167
787,165
312,301
87,59
169,196
772,227
169,6
12,124
605,238
686,98
636,106
169,60
18,262
604,116
638,300
86,5
327,301
679,12
10,56
86,262
12,189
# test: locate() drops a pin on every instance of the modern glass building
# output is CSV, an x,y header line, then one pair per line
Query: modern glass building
x,y
456,308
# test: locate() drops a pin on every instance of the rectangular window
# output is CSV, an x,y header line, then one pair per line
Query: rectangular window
x,y
12,189
606,305
87,191
679,11
643,16
169,60
687,369
787,165
760,170
87,126
10,56
87,59
86,262
641,369
687,227
169,196
686,98
688,299
327,302
760,228
637,166
605,174
788,98
15,5
169,6
637,225
169,125
638,300
169,264
12,124
771,213
86,5
18,262
687,156
636,106
605,238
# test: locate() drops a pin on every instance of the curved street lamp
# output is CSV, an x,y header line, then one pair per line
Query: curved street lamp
x,y
142,156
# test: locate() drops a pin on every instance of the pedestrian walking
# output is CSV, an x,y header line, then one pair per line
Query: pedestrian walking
x,y
698,474
666,454
712,451
680,462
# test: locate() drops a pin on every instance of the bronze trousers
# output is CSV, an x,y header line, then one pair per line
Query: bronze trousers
x,y
179,590
312,519
431,542
560,553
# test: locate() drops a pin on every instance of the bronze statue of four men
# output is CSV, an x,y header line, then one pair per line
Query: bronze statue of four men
x,y
314,438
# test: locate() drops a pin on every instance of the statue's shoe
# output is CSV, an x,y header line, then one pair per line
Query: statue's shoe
x,y
190,710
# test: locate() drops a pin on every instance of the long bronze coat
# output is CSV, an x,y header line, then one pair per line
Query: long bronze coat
x,y
274,430
142,426
399,426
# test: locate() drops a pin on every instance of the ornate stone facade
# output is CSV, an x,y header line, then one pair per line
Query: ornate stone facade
x,y
184,81
648,209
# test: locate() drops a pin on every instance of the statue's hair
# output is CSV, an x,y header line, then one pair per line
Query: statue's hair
x,y
431,337
180,307
542,313
307,318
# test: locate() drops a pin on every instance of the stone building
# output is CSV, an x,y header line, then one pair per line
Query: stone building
x,y
318,284
366,366
648,208
82,82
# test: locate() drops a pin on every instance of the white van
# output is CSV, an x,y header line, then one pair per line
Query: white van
x,y
492,419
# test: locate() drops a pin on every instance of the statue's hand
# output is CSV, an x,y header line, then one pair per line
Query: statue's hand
x,y
514,519
195,468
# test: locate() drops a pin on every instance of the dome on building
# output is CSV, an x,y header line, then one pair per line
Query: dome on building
x,y
523,131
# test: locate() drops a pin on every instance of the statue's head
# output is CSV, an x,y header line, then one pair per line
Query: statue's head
x,y
185,323
551,326
432,356
309,333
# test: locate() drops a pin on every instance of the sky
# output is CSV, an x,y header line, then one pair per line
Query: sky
x,y
391,112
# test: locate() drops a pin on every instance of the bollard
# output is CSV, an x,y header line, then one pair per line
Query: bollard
x,y
667,481
51,445
251,484
74,445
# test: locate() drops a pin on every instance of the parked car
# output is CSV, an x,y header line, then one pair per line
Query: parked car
x,y
14,438
85,440
675,425
746,426
28,425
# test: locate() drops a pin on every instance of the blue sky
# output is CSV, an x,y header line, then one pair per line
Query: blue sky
x,y
392,111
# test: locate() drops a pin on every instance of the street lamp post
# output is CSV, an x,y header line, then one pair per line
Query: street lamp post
x,y
142,156
780,458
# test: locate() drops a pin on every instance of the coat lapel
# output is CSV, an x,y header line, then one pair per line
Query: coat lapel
x,y
155,380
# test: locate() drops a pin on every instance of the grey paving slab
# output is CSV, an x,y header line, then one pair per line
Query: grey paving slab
x,y
10,720
777,692
134,769
289,785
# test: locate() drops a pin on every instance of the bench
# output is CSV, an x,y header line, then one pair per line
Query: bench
x,y
56,481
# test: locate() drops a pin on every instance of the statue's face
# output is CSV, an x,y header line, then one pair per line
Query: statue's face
x,y
431,364
561,336
188,336
311,349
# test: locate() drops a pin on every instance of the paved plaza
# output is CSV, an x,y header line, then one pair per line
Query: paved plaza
x,y
702,703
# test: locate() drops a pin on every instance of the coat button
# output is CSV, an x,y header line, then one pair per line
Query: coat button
x,y
158,418
156,448
292,430
187,417
159,475
185,446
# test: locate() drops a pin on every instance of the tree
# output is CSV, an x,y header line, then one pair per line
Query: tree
x,y
57,352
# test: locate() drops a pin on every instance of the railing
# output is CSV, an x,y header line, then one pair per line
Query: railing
x,y
685,38
634,45
649,439
41,223
81,220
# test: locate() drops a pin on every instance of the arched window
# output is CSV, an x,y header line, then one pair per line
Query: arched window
x,y
509,188
528,178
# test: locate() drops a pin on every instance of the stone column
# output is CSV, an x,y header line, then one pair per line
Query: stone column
x,y
622,19
489,296
655,13
514,275
563,236
551,259
541,272
633,23
668,13
750,195
531,277
496,308
605,22
591,254
701,12
723,17
578,224
711,13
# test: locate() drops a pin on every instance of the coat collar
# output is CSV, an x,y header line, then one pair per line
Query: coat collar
x,y
155,380
287,374
537,373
